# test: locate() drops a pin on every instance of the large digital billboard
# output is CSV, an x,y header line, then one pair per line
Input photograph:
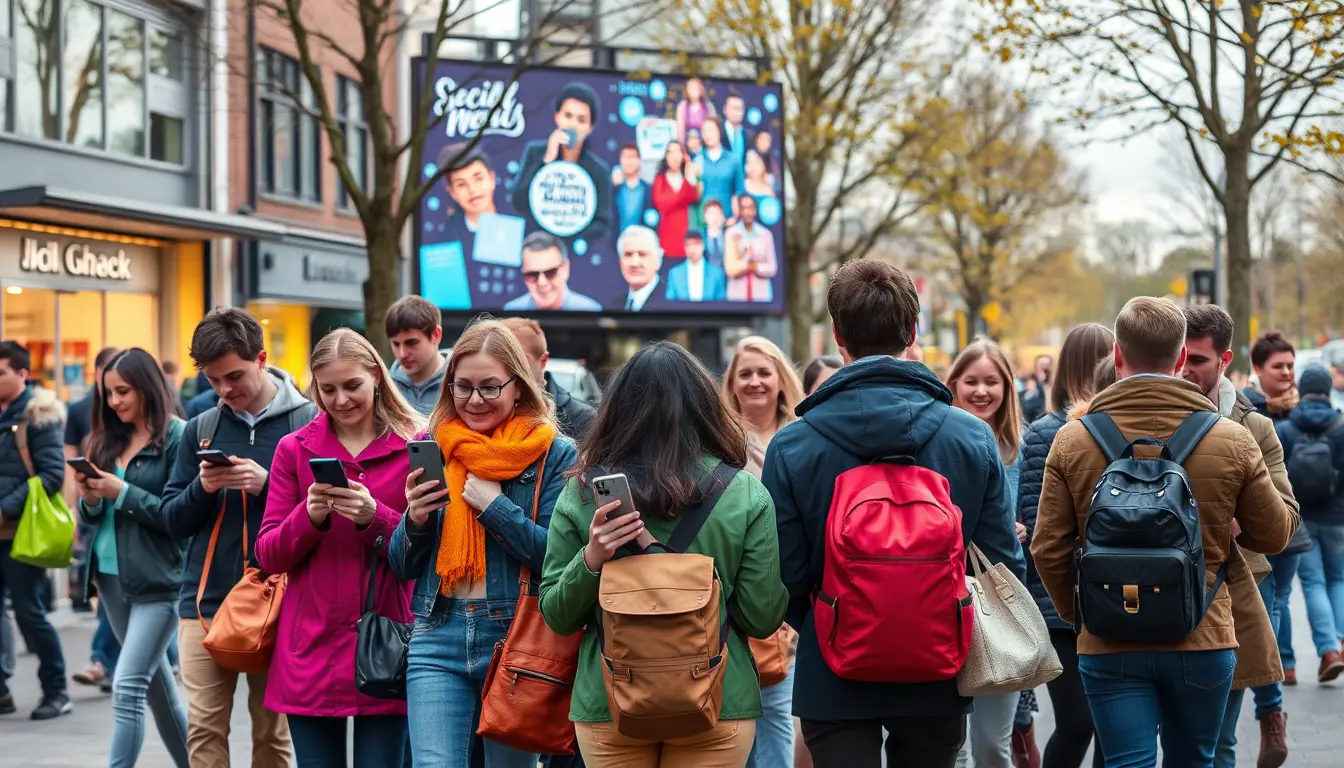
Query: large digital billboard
x,y
598,191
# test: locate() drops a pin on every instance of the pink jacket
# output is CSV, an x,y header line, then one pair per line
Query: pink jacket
x,y
313,670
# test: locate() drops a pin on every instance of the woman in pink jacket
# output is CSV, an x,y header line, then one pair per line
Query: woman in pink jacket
x,y
326,538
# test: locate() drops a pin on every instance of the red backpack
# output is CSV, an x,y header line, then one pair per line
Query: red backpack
x,y
893,605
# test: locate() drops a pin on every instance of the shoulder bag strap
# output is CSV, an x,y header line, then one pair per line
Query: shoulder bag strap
x,y
209,560
1108,436
693,519
21,442
525,575
373,581
1187,436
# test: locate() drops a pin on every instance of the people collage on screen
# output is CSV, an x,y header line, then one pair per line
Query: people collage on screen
x,y
689,201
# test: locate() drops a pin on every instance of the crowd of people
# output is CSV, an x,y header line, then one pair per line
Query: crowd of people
x,y
789,493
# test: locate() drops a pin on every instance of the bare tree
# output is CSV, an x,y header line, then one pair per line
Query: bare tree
x,y
1253,81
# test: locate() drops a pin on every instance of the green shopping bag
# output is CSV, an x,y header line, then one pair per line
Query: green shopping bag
x,y
46,535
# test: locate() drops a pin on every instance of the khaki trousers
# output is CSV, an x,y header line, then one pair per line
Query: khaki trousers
x,y
210,691
726,746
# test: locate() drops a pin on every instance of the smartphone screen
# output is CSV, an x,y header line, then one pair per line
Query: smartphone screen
x,y
425,455
330,472
218,458
611,488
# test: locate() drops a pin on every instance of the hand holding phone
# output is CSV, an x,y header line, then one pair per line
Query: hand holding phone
x,y
329,472
84,467
616,522
426,488
215,458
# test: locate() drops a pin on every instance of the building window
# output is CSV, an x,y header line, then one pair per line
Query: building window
x,y
354,127
95,77
289,133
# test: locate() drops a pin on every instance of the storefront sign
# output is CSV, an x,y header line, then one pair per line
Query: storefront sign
x,y
313,273
79,259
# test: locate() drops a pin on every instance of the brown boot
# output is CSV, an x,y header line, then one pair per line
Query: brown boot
x,y
1025,753
1273,740
1331,667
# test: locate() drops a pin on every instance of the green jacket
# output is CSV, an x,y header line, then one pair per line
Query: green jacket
x,y
741,537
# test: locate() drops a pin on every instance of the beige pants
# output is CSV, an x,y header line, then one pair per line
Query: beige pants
x,y
210,690
727,746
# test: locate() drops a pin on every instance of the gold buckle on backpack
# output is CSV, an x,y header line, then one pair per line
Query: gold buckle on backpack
x,y
1131,595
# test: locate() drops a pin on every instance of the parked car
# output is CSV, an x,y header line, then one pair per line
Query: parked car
x,y
580,382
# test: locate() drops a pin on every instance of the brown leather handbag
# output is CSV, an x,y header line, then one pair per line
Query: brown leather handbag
x,y
241,637
774,655
525,704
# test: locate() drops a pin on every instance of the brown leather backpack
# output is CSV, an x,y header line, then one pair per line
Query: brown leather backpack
x,y
241,637
774,655
664,641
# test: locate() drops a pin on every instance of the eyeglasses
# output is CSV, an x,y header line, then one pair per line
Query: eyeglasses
x,y
550,274
463,390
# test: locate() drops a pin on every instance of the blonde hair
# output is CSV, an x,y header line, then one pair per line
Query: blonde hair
x,y
1150,333
790,387
1007,421
391,412
494,339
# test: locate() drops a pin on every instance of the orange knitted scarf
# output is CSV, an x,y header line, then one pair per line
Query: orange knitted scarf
x,y
503,455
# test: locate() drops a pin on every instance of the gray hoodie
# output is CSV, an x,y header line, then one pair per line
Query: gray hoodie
x,y
424,395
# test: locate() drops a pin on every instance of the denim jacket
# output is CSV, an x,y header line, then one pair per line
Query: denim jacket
x,y
513,537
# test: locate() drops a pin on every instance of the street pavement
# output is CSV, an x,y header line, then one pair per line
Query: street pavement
x,y
79,740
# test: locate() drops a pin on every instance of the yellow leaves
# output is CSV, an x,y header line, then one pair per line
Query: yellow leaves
x,y
1005,54
1247,39
1256,11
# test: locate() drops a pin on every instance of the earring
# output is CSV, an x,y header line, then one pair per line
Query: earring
x,y
376,391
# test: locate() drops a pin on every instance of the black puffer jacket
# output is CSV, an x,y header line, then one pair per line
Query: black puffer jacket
x,y
1036,441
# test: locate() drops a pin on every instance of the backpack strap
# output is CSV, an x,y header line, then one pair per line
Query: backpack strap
x,y
713,484
207,424
1218,580
21,442
301,416
1109,438
1187,436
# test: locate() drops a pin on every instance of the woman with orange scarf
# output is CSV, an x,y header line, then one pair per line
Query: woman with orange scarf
x,y
495,427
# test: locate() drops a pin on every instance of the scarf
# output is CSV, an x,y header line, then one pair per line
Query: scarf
x,y
503,455
1283,403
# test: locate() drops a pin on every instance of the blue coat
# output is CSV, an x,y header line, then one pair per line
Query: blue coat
x,y
1036,442
679,285
870,409
1315,415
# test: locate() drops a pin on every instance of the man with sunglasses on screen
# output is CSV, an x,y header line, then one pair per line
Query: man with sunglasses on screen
x,y
546,273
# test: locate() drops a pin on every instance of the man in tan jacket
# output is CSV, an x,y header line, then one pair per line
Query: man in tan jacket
x,y
1184,686
1208,344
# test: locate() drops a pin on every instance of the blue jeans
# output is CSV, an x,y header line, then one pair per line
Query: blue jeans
x,y
1131,694
445,673
773,746
1283,569
104,649
142,672
319,742
1322,574
26,585
1226,754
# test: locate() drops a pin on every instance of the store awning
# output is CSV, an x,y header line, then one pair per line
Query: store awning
x,y
128,217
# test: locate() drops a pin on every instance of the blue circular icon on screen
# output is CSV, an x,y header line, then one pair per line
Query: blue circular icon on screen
x,y
596,259
430,169
484,285
513,166
754,116
580,246
432,203
611,145
771,102
657,90
485,271
611,118
651,218
429,227
770,211
632,111
498,287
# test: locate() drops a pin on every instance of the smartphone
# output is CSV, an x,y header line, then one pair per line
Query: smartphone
x,y
83,467
218,458
330,472
425,455
573,137
611,488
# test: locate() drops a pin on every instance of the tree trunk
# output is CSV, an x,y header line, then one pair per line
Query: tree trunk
x,y
383,286
1237,208
798,287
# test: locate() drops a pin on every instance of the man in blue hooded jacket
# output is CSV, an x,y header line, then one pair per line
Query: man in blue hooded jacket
x,y
878,406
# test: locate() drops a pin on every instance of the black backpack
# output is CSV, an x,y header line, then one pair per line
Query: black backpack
x,y
1311,470
1140,570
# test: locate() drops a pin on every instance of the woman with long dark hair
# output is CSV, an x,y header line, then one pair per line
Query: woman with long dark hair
x,y
1085,348
665,426
676,189
138,566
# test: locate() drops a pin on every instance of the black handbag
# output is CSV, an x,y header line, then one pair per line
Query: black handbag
x,y
1301,542
381,646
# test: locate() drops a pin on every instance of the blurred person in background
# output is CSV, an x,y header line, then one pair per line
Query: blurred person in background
x,y
572,415
1272,359
414,326
819,370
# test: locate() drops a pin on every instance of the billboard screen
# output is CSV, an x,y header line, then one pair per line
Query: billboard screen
x,y
596,191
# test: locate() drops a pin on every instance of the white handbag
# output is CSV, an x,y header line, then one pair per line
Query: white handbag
x,y
1010,644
